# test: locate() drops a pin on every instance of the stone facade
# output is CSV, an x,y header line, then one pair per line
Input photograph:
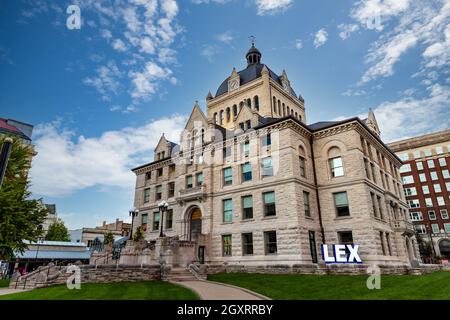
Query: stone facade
x,y
295,174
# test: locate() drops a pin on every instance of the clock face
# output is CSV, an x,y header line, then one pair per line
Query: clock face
x,y
234,84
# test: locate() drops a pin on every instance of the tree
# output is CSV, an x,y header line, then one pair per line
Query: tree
x,y
138,234
109,238
57,232
20,216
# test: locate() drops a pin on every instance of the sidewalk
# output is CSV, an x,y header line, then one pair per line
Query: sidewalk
x,y
208,290
4,291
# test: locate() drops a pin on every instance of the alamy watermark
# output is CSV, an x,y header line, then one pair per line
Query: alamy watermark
x,y
74,280
374,280
73,21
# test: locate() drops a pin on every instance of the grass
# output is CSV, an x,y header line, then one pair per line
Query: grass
x,y
4,283
434,286
149,290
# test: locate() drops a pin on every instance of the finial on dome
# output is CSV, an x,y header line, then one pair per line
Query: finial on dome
x,y
253,55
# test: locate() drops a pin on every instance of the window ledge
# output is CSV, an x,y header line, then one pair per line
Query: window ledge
x,y
223,223
309,218
269,217
343,218
248,220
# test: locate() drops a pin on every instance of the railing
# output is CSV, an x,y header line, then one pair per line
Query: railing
x,y
403,225
195,270
191,190
191,193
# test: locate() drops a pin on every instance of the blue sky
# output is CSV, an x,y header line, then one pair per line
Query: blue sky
x,y
101,96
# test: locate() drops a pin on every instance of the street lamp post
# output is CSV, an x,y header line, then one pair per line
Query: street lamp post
x,y
4,156
163,205
133,213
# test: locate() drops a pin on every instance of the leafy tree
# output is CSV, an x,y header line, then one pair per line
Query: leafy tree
x,y
20,216
109,238
138,234
57,232
425,248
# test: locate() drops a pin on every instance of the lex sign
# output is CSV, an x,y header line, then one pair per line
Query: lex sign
x,y
341,253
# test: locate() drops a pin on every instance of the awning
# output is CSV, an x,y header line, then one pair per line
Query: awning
x,y
57,255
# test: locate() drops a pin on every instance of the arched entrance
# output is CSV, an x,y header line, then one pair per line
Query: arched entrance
x,y
195,223
444,248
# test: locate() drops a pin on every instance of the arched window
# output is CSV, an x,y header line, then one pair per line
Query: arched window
x,y
287,108
235,112
296,115
284,110
222,118
279,107
256,100
292,112
300,117
193,138
203,136
215,118
188,141
249,103
228,115
335,162
274,105
241,104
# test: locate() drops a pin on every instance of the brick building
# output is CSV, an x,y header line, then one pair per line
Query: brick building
x,y
251,183
426,180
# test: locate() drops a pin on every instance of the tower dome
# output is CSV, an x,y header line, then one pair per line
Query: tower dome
x,y
253,55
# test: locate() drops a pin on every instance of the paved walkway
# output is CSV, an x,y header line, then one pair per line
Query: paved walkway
x,y
208,290
4,291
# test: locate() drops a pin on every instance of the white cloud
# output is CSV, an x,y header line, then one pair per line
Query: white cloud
x,y
147,45
106,80
209,51
226,37
272,6
410,117
119,45
298,44
145,81
413,24
347,30
81,162
320,38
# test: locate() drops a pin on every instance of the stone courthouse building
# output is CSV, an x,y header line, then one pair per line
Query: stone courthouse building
x,y
252,183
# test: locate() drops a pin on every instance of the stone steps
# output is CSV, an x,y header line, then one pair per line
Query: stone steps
x,y
181,274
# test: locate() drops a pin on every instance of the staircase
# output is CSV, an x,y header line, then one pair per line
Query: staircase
x,y
181,274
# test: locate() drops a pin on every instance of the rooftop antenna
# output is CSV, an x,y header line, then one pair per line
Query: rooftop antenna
x,y
252,39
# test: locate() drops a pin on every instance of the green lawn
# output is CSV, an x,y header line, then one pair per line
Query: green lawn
x,y
149,290
4,283
327,287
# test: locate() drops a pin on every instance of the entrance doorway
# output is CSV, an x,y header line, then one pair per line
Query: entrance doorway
x,y
195,224
201,254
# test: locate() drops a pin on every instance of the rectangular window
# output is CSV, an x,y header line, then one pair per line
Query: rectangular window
x,y
380,206
247,207
247,243
445,174
155,221
366,168
419,165
199,178
345,237
160,172
447,227
246,171
169,219
374,176
171,189
439,150
248,124
158,192
440,201
416,154
144,218
428,202
383,250
425,190
444,214
306,204
189,182
447,186
266,140
148,175
267,167
407,179
405,168
341,203
226,152
146,195
269,203
431,215
435,228
172,168
336,167
226,245
410,191
302,167
433,175
437,187
427,152
414,203
422,177
442,162
404,156
430,163
227,176
416,216
246,148
420,228
374,208
227,210
270,242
